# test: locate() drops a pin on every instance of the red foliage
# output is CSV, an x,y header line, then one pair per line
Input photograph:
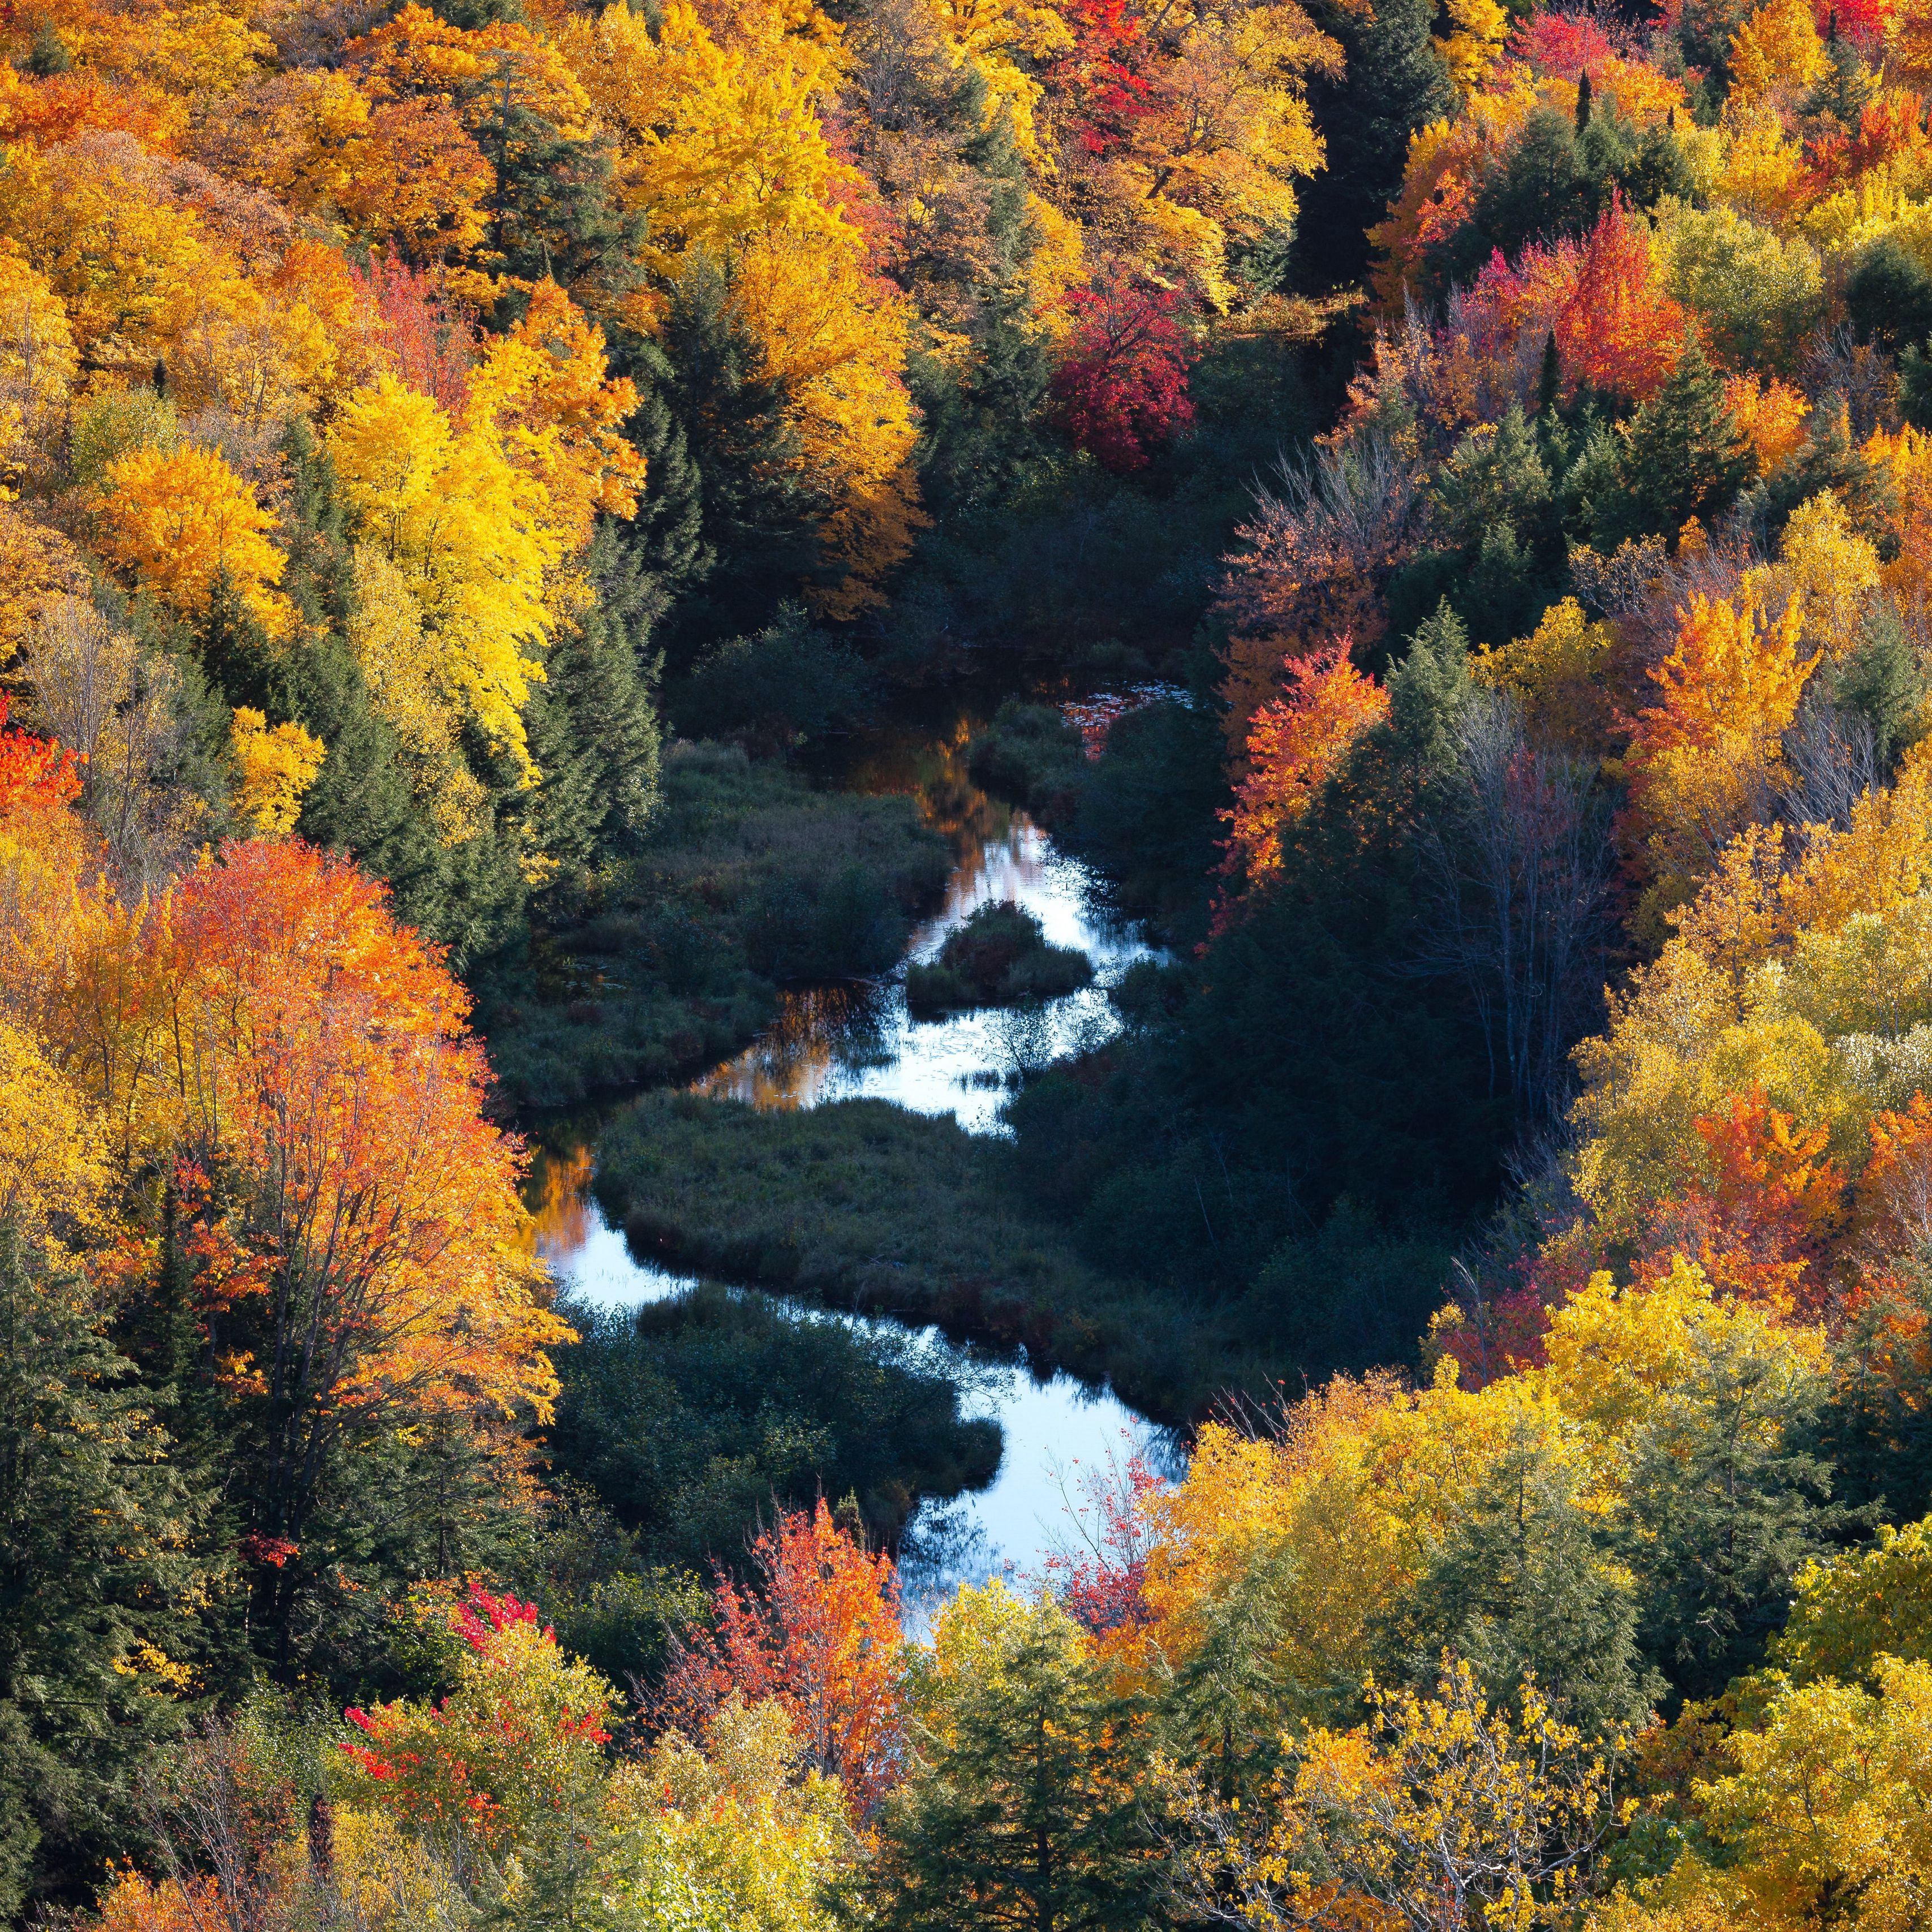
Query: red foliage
x,y
1562,45
1121,391
37,776
821,1635
1497,1335
430,341
1102,1584
1104,78
1862,23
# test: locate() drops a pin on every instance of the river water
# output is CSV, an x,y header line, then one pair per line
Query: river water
x,y
847,1042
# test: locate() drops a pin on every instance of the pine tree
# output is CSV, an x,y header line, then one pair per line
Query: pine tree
x,y
93,1528
1583,101
757,521
1550,379
1017,1808
1682,456
1393,81
593,728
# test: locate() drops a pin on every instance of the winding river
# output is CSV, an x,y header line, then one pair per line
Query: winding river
x,y
846,1041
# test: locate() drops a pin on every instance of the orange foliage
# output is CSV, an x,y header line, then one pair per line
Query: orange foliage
x,y
37,776
823,1639
1616,328
1295,742
1762,1224
1770,415
1895,1190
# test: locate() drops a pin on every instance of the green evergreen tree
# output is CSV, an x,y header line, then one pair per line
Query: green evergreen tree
x,y
1889,296
94,1526
1018,1807
1730,1499
1548,379
1881,682
593,727
757,521
1392,81
1525,1585
1583,101
1682,456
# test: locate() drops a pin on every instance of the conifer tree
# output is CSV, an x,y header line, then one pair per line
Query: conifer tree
x,y
93,1525
1682,456
1016,1809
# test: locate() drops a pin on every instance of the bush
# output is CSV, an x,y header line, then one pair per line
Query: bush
x,y
789,683
693,1416
999,958
1032,757
861,1204
746,878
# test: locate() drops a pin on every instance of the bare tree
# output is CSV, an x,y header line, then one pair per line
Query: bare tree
x,y
1519,860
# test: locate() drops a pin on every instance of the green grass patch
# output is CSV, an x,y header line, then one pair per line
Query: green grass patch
x,y
863,1205
747,878
691,1417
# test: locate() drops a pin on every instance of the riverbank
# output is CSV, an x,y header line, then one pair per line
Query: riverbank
x,y
749,878
860,1205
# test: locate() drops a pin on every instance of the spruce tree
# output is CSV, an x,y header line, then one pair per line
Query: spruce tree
x,y
94,1529
1392,81
1682,456
1018,1807
1583,101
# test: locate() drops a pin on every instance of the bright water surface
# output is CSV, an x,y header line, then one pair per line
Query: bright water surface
x,y
849,1041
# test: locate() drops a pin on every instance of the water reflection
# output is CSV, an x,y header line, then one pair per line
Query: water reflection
x,y
1009,1527
846,1041
853,1042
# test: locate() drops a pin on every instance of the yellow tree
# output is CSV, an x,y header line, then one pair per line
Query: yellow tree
x,y
1706,759
278,767
472,538
184,524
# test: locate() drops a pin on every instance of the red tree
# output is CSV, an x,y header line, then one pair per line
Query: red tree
x,y
1121,391
819,1634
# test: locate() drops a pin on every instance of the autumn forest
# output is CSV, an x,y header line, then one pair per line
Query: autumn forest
x,y
744,744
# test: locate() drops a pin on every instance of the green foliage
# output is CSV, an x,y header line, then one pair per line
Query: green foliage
x,y
1014,1811
95,1579
1681,457
688,1418
1889,296
788,685
1524,1583
1000,957
1758,294
746,875
1392,81
1881,682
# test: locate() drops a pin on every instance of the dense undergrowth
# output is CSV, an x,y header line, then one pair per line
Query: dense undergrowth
x,y
747,878
863,1205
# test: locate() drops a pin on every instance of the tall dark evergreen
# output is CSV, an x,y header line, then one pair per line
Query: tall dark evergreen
x,y
95,1581
1017,1809
1393,81
1682,457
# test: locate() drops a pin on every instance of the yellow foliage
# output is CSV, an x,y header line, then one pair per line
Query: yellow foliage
x,y
474,540
386,632
1770,415
543,390
278,767
185,523
1778,44
1831,567
1558,673
1828,1804
1471,50
53,1167
1863,1605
